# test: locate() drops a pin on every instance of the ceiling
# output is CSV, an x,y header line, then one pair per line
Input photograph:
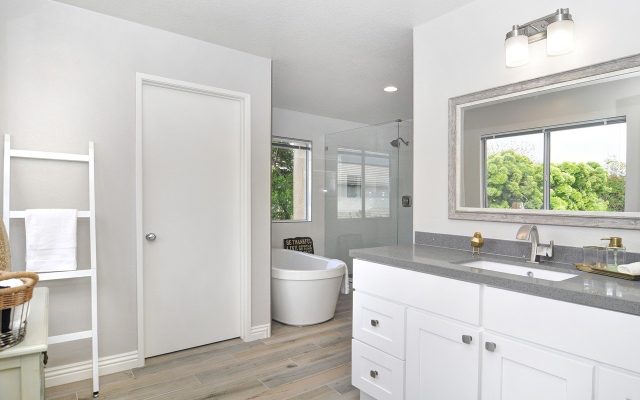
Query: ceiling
x,y
330,57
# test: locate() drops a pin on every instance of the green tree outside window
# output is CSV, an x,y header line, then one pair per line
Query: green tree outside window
x,y
584,186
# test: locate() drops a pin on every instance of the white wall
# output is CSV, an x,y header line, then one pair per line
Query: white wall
x,y
450,59
67,76
297,125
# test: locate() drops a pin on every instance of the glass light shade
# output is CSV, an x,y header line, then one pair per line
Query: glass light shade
x,y
560,37
516,49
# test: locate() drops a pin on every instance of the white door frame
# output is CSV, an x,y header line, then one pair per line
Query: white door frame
x,y
244,238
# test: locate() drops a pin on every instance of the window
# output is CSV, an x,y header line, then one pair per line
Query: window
x,y
577,167
290,180
376,185
513,165
363,184
350,176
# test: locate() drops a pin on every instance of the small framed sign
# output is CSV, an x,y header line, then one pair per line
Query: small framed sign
x,y
304,244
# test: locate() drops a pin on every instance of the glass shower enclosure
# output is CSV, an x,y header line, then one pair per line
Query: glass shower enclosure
x,y
368,188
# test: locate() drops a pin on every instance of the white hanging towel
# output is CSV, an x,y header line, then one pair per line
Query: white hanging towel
x,y
344,287
51,240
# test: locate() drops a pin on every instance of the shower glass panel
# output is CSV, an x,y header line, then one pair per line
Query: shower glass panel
x,y
367,172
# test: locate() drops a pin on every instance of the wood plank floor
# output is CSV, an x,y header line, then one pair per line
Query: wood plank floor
x,y
295,363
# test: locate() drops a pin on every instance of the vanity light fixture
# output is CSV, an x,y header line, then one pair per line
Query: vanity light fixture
x,y
390,89
557,28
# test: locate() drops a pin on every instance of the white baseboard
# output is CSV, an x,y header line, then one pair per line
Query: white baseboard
x,y
258,332
62,374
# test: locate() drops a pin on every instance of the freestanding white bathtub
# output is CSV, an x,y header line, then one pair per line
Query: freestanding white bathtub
x,y
305,287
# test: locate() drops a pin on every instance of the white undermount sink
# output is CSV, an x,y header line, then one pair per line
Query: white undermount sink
x,y
519,270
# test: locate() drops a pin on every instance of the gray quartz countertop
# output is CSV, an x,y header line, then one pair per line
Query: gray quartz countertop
x,y
585,288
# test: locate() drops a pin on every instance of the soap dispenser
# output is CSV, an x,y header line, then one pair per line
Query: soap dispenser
x,y
615,252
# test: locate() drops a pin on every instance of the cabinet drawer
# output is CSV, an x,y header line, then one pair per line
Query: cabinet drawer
x,y
379,323
614,385
573,328
448,297
376,373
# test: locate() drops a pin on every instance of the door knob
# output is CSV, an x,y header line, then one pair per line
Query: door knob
x,y
150,236
466,339
490,346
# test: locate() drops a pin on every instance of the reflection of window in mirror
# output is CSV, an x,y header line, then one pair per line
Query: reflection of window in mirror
x,y
571,167
560,149
513,166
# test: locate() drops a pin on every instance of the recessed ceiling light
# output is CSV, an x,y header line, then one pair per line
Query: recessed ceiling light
x,y
390,89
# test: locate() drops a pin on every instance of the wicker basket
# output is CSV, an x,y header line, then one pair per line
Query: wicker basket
x,y
14,307
5,249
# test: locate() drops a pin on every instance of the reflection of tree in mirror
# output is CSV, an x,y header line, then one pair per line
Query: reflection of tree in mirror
x,y
578,186
617,172
517,144
615,167
281,184
514,178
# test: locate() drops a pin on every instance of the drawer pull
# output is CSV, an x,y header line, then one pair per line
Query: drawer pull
x,y
490,346
373,374
375,322
466,339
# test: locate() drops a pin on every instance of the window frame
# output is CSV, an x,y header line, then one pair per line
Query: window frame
x,y
300,144
546,132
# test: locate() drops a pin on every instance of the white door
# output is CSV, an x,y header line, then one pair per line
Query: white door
x,y
191,171
515,371
443,358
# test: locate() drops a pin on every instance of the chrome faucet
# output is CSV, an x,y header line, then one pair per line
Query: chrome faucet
x,y
530,232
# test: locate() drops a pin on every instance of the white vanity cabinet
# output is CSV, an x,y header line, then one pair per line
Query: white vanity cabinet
x,y
443,358
415,336
422,337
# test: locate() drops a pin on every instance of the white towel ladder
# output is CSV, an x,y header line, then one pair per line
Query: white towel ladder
x,y
91,272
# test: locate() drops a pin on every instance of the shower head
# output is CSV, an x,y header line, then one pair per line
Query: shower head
x,y
396,142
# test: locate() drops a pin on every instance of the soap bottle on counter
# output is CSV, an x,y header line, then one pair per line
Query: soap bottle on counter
x,y
615,252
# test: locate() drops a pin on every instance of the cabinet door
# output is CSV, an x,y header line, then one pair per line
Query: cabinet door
x,y
442,358
614,385
516,371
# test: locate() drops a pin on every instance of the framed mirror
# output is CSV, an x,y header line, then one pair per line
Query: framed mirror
x,y
563,149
